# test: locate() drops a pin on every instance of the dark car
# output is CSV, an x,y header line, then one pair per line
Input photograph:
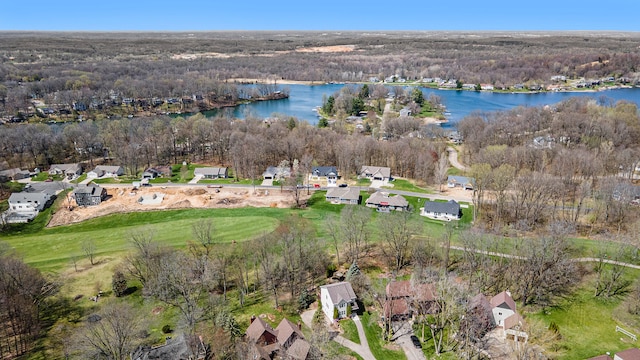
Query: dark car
x,y
342,185
416,342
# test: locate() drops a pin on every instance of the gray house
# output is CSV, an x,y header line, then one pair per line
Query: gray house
x,y
15,174
375,173
276,173
447,211
464,182
343,195
212,172
325,172
70,171
385,203
90,195
105,171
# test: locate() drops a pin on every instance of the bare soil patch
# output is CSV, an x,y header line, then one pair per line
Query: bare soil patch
x,y
126,200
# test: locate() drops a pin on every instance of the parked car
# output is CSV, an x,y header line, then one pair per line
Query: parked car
x,y
416,342
343,185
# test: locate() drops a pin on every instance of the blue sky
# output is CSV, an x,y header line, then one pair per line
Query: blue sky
x,y
202,15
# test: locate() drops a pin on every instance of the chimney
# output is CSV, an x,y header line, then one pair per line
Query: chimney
x,y
253,317
508,292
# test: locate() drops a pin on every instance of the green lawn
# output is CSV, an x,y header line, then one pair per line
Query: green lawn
x,y
373,332
51,249
406,185
350,330
586,325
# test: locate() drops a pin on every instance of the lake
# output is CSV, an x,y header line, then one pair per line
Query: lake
x,y
304,98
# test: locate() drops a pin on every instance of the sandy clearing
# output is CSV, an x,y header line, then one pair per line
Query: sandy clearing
x,y
121,200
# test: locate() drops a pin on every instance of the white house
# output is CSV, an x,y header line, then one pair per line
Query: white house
x,y
337,296
212,172
448,211
506,317
461,181
375,173
105,171
25,206
330,173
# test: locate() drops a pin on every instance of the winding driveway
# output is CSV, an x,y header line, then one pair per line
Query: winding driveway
x,y
453,159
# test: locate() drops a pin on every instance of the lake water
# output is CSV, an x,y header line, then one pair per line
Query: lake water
x,y
304,98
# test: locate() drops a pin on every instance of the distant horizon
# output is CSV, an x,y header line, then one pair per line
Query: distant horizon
x,y
328,15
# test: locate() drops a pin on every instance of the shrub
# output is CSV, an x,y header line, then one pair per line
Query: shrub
x,y
166,329
119,284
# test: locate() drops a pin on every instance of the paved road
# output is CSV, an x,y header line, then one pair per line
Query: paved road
x,y
402,337
453,159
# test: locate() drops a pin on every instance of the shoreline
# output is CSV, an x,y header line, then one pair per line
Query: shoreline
x,y
246,81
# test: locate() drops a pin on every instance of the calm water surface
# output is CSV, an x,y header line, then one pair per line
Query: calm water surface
x,y
304,98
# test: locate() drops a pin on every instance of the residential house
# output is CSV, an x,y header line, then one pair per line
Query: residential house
x,y
70,171
212,172
385,203
404,299
181,347
89,195
464,182
25,206
276,173
405,112
448,211
343,195
15,174
375,173
486,87
284,342
151,173
337,297
506,316
629,354
330,173
105,171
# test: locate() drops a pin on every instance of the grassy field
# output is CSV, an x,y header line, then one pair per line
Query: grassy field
x,y
373,332
586,324
406,185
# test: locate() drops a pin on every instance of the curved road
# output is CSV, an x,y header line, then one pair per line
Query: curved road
x,y
453,159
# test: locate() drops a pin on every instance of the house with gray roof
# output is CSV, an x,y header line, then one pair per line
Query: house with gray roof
x,y
447,211
339,296
464,182
25,206
276,173
70,171
89,195
375,173
15,174
181,347
105,171
211,172
383,202
343,195
329,173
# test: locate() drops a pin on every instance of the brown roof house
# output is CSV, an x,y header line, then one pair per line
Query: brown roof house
x,y
506,317
382,202
338,300
629,354
404,300
284,342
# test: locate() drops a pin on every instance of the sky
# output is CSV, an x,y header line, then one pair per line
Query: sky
x,y
371,15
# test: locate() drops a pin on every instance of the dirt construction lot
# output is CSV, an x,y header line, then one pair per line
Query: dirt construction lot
x,y
121,200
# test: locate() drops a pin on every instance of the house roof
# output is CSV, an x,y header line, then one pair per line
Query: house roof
x,y
348,193
384,172
339,292
88,189
299,350
178,348
65,167
324,170
600,357
274,170
383,198
257,328
456,179
216,171
503,300
286,329
13,172
396,307
418,292
629,354
28,197
514,320
108,168
450,207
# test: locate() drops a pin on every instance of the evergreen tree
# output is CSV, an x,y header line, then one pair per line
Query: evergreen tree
x,y
353,271
417,96
119,284
328,106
